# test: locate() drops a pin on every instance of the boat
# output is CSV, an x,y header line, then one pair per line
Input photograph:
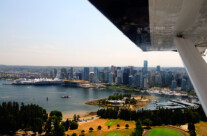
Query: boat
x,y
65,96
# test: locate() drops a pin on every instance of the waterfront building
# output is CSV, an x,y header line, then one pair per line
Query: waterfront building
x,y
96,77
51,74
110,78
173,85
126,76
70,73
158,79
91,77
86,73
144,82
101,76
131,81
183,84
64,73
78,76
119,76
55,73
106,76
137,78
119,81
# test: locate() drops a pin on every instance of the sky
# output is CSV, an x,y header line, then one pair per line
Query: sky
x,y
68,33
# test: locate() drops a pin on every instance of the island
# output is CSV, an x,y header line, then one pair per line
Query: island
x,y
123,101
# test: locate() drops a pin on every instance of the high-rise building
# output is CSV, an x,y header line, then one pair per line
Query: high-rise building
x,y
95,78
106,76
91,76
86,73
131,81
51,74
173,85
183,84
70,73
78,76
137,81
144,82
64,74
158,68
145,69
113,69
110,78
126,76
119,77
55,73
158,79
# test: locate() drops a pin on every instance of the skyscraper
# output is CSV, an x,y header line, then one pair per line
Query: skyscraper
x,y
145,67
131,81
173,85
70,73
55,73
95,78
110,78
86,73
183,84
158,68
119,77
137,80
126,76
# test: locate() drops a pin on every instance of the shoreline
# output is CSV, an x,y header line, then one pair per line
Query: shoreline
x,y
142,102
83,115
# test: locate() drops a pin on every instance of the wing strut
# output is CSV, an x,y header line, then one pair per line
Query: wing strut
x,y
195,66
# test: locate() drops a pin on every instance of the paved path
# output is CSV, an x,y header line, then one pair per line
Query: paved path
x,y
182,132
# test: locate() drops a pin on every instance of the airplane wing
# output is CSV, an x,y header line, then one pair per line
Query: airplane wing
x,y
165,25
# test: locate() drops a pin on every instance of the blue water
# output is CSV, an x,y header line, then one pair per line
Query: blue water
x,y
38,94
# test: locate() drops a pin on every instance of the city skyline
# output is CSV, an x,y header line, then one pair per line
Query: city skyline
x,y
74,34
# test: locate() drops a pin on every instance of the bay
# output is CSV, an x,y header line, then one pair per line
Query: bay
x,y
37,95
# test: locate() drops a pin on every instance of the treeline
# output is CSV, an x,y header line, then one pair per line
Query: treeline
x,y
34,118
157,117
117,96
14,116
59,127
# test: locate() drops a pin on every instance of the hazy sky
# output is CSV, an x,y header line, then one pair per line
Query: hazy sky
x,y
67,33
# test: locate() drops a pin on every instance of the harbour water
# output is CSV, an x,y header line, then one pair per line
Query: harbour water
x,y
76,104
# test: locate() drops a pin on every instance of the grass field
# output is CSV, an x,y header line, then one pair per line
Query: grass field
x,y
112,122
201,128
114,134
105,131
163,132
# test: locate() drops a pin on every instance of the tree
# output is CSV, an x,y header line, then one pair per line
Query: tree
x,y
74,134
37,127
191,126
59,130
127,126
74,117
118,126
108,127
56,113
147,122
74,125
192,133
82,131
90,129
99,127
48,127
138,130
78,117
